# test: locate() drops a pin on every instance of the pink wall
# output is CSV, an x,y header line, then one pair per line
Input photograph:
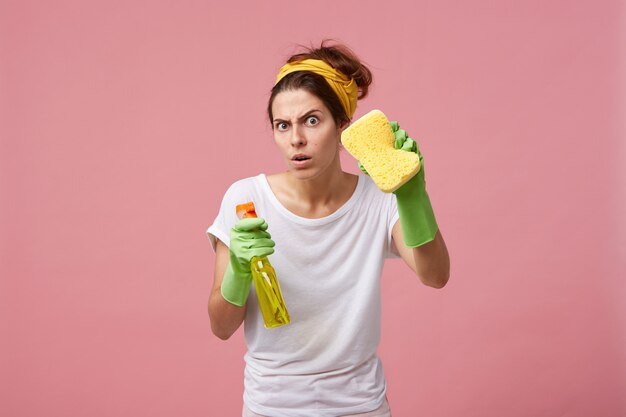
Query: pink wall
x,y
123,122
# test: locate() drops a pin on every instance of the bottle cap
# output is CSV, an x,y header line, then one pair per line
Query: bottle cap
x,y
245,210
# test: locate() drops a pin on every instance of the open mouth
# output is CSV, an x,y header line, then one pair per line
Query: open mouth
x,y
300,158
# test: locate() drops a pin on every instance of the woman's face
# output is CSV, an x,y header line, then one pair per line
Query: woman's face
x,y
305,132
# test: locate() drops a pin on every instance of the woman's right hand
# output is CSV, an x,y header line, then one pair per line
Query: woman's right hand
x,y
248,238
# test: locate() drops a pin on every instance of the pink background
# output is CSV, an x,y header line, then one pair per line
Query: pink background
x,y
122,123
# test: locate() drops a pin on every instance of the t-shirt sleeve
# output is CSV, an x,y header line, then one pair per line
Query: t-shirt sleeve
x,y
226,218
393,217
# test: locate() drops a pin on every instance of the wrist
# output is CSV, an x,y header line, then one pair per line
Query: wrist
x,y
417,217
236,285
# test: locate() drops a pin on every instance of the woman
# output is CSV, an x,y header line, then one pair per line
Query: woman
x,y
332,231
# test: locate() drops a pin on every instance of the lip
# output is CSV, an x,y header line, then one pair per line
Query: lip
x,y
301,164
300,155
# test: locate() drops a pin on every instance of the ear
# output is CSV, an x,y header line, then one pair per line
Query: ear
x,y
340,130
344,125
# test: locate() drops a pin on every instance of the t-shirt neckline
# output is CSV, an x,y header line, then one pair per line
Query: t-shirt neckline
x,y
265,185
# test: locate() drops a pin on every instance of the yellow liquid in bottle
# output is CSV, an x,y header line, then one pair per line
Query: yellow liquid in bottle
x,y
268,292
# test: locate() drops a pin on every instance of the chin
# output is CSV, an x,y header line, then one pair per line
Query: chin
x,y
305,174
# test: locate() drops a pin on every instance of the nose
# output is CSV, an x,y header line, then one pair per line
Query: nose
x,y
297,136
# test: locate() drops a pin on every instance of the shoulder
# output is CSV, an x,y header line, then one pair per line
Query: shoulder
x,y
373,197
242,190
370,187
245,184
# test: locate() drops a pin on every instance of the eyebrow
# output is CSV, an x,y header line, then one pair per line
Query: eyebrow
x,y
307,114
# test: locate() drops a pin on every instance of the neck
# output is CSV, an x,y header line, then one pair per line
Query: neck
x,y
321,190
314,197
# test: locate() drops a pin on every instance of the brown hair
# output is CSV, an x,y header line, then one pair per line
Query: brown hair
x,y
337,56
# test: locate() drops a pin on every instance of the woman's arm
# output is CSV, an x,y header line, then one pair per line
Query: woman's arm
x,y
429,261
225,317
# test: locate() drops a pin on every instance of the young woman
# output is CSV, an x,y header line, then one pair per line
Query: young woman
x,y
330,234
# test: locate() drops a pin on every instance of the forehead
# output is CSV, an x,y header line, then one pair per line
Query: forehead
x,y
292,104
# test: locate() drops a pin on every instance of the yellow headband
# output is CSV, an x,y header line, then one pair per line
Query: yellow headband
x,y
345,88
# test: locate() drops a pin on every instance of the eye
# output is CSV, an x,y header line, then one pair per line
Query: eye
x,y
281,126
312,120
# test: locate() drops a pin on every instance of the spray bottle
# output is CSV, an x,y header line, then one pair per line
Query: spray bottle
x,y
265,283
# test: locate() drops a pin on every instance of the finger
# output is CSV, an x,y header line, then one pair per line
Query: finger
x,y
399,142
249,224
401,134
362,168
409,145
253,235
264,251
417,150
400,137
249,248
415,147
262,243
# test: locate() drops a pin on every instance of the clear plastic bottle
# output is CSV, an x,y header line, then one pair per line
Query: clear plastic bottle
x,y
266,285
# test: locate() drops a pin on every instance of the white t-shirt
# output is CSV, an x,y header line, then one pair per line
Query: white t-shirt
x,y
324,363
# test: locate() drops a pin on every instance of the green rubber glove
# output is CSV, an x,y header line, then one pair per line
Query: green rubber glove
x,y
248,238
417,218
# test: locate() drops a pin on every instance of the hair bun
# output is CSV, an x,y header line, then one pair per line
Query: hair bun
x,y
342,58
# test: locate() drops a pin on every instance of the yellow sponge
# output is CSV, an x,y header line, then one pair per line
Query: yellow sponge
x,y
370,140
